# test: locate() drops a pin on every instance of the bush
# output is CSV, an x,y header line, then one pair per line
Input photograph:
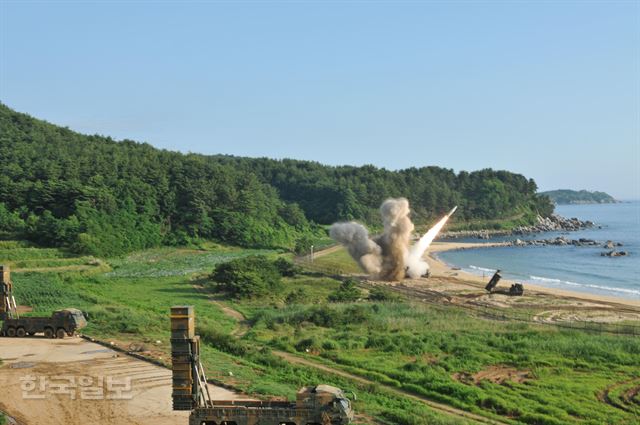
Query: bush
x,y
303,245
223,342
299,296
286,267
248,277
382,294
309,344
347,292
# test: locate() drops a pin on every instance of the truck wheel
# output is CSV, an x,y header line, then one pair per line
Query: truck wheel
x,y
11,332
48,333
20,333
61,333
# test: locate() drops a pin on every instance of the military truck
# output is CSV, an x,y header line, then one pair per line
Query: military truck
x,y
60,324
317,405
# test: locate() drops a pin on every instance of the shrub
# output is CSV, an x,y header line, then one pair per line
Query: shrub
x,y
248,277
223,342
303,245
382,294
308,344
286,267
347,292
299,296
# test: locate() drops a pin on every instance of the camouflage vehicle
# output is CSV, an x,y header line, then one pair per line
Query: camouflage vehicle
x,y
319,405
61,323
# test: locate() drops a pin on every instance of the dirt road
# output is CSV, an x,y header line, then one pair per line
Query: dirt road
x,y
146,389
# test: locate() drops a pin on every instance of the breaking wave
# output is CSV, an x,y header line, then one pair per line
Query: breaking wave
x,y
482,269
585,285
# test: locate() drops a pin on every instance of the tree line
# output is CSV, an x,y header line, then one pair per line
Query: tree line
x,y
95,195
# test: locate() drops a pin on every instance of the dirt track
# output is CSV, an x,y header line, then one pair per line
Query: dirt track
x,y
147,402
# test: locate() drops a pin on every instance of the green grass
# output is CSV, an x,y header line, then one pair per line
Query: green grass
x,y
9,255
410,346
167,262
421,348
337,262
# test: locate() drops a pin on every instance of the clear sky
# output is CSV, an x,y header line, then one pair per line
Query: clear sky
x,y
548,89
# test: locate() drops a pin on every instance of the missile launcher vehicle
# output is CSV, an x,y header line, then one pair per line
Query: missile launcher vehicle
x,y
316,405
61,323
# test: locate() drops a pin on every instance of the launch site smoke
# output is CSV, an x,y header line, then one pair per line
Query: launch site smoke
x,y
388,256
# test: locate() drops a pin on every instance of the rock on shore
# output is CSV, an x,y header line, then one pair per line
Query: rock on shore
x,y
614,254
544,224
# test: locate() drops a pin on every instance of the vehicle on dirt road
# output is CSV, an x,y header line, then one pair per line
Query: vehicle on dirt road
x,y
62,323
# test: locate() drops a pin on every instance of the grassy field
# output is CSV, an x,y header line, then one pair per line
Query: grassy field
x,y
128,304
514,372
443,353
336,262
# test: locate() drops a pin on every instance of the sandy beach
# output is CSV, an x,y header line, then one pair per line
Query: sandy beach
x,y
439,269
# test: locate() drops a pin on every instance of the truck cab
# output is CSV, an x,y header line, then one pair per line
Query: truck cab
x,y
326,399
71,318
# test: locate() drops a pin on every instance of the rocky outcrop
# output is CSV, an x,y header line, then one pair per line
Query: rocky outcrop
x,y
553,223
611,244
614,254
559,241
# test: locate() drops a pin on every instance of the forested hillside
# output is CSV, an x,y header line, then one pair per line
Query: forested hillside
x,y
102,197
567,196
327,194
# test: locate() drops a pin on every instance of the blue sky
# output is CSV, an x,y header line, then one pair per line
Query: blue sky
x,y
547,89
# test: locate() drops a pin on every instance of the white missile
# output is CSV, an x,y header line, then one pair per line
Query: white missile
x,y
452,211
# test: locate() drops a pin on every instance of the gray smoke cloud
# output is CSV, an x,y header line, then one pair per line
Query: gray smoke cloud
x,y
384,257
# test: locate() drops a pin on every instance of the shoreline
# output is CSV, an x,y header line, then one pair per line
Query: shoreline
x,y
441,269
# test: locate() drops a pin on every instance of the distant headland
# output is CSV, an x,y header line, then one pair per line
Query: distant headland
x,y
567,196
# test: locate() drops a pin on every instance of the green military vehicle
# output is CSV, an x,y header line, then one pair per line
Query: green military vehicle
x,y
60,324
317,405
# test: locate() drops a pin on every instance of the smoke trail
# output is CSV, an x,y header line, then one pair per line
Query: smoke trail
x,y
388,256
416,266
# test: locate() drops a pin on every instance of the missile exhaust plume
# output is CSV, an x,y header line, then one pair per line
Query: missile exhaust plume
x,y
416,266
388,256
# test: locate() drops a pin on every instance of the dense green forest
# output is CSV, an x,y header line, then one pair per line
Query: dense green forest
x,y
566,196
98,196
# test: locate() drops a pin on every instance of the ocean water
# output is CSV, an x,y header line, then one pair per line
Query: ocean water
x,y
572,268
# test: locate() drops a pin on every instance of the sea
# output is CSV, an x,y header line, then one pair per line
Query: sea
x,y
575,268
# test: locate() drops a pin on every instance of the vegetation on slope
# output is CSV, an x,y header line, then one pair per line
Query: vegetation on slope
x,y
440,353
96,196
566,196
